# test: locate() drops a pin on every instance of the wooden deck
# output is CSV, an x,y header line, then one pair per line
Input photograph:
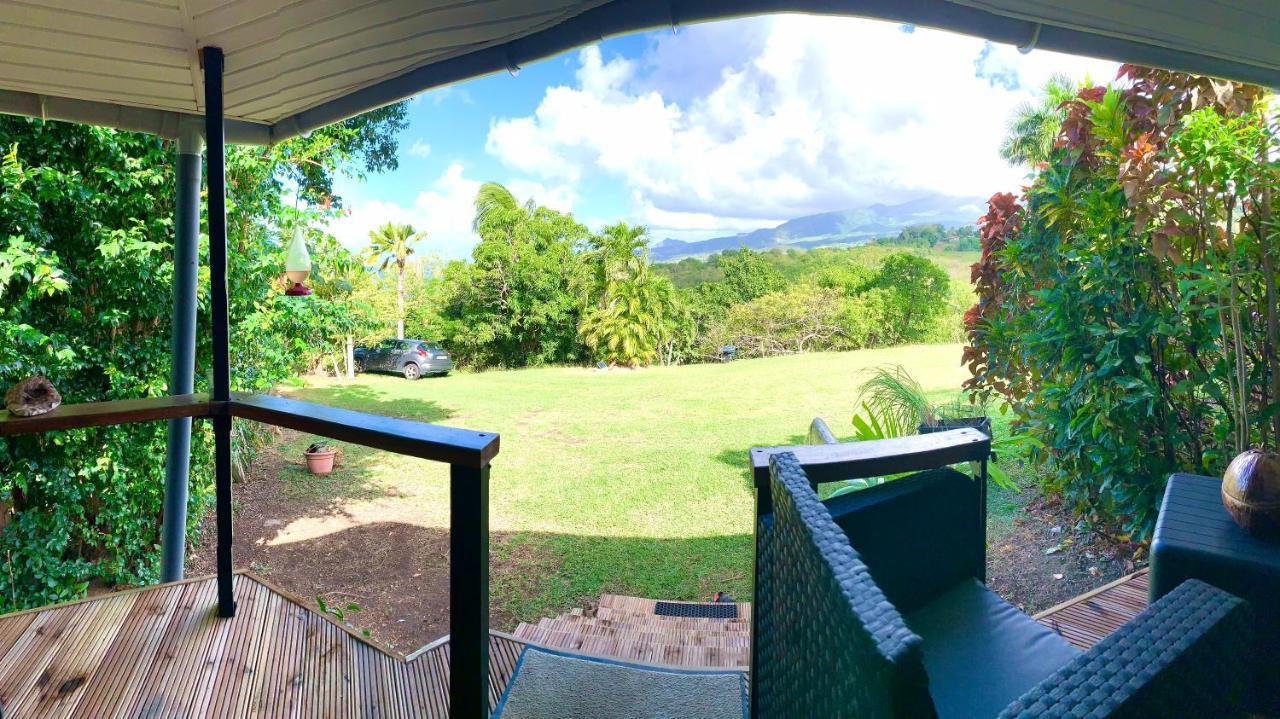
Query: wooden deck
x,y
628,628
1089,618
162,652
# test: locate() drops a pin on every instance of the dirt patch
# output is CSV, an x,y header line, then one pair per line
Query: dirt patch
x,y
1046,557
312,543
353,538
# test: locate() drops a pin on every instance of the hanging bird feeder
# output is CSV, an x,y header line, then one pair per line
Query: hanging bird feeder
x,y
297,264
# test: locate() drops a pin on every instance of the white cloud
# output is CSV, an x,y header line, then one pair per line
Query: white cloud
x,y
444,211
803,114
420,148
692,224
558,197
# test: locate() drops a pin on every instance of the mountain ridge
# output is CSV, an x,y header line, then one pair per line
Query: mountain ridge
x,y
853,226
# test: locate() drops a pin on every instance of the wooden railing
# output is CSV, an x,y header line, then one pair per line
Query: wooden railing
x,y
467,453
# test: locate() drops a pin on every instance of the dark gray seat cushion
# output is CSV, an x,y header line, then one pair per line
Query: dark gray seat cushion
x,y
981,653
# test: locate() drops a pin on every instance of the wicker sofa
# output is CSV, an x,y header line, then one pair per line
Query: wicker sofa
x,y
873,605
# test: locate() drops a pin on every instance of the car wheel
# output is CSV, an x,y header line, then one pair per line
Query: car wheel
x,y
360,366
411,371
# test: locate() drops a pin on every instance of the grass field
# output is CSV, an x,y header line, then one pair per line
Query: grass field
x,y
622,481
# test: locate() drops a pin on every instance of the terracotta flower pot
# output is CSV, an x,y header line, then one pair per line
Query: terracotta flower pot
x,y
1251,492
321,462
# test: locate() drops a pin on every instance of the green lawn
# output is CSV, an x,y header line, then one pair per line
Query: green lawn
x,y
622,481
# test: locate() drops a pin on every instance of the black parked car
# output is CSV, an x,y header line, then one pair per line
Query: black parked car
x,y
412,358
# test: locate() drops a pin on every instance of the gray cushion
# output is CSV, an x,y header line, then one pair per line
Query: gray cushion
x,y
981,653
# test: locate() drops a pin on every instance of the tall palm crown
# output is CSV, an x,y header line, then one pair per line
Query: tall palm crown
x,y
494,204
616,254
1033,127
391,244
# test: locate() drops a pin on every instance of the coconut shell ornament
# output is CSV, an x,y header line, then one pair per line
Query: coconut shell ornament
x,y
1251,492
32,396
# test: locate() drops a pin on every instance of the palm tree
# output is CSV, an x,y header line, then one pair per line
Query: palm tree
x,y
392,244
625,329
494,204
1033,128
616,254
625,306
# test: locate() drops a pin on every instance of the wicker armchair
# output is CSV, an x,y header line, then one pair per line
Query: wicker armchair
x,y
872,605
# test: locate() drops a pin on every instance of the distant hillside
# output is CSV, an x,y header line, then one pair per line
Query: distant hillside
x,y
844,227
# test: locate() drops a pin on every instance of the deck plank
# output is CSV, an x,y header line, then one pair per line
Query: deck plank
x,y
20,668
164,652
1089,618
78,657
136,645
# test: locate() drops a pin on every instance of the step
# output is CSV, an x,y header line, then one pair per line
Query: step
x,y
572,623
643,606
628,649
548,628
684,622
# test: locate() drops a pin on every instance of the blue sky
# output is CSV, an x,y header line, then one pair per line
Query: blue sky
x,y
714,129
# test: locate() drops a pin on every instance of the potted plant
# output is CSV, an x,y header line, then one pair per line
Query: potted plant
x,y
320,457
892,404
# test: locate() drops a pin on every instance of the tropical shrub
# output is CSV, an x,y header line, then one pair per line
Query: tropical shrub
x,y
915,296
802,318
86,264
1127,307
515,303
628,313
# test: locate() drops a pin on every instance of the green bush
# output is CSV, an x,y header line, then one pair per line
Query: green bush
x,y
1127,307
802,318
86,264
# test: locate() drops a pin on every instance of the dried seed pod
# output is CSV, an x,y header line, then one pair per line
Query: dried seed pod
x,y
32,396
1251,492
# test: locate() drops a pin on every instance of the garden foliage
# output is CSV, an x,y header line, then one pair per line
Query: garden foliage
x,y
86,265
541,289
1127,306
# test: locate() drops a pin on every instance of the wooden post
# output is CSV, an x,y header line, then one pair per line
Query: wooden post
x,y
217,183
468,592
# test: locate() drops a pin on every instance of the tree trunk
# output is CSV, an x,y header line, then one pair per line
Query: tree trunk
x,y
351,358
400,303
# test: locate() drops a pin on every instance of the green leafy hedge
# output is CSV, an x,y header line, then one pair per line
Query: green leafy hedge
x,y
1127,305
86,263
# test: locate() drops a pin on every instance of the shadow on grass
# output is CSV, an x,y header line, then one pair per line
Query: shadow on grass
x,y
739,458
363,398
398,573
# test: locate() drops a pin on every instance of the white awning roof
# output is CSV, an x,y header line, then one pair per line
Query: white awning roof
x,y
293,65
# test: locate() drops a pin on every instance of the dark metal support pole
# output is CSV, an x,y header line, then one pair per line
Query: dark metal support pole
x,y
213,133
468,592
182,358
